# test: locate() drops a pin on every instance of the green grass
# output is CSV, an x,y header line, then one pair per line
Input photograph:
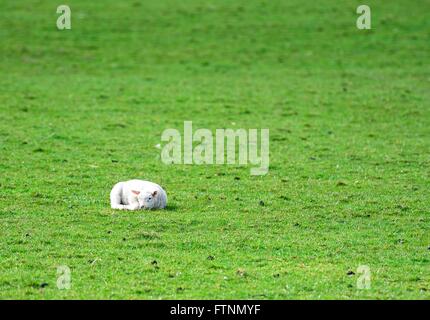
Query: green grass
x,y
349,119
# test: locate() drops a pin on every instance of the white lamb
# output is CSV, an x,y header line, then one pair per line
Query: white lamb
x,y
137,194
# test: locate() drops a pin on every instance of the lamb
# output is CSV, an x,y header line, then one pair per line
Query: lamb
x,y
137,194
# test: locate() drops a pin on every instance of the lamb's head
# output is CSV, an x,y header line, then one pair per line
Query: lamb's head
x,y
146,199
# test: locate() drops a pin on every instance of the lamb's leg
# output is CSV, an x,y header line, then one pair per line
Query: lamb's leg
x,y
115,197
116,201
125,206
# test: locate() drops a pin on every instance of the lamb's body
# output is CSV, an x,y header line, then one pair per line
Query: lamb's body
x,y
137,194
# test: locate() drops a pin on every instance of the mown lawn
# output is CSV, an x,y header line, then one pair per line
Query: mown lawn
x,y
349,119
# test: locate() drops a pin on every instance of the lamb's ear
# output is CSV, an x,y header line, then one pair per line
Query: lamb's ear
x,y
135,192
154,193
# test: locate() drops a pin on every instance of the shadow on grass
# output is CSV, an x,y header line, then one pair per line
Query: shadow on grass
x,y
171,207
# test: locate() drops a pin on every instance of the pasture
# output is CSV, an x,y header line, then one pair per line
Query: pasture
x,y
349,119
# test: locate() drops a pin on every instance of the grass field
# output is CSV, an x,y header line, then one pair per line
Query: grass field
x,y
349,118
